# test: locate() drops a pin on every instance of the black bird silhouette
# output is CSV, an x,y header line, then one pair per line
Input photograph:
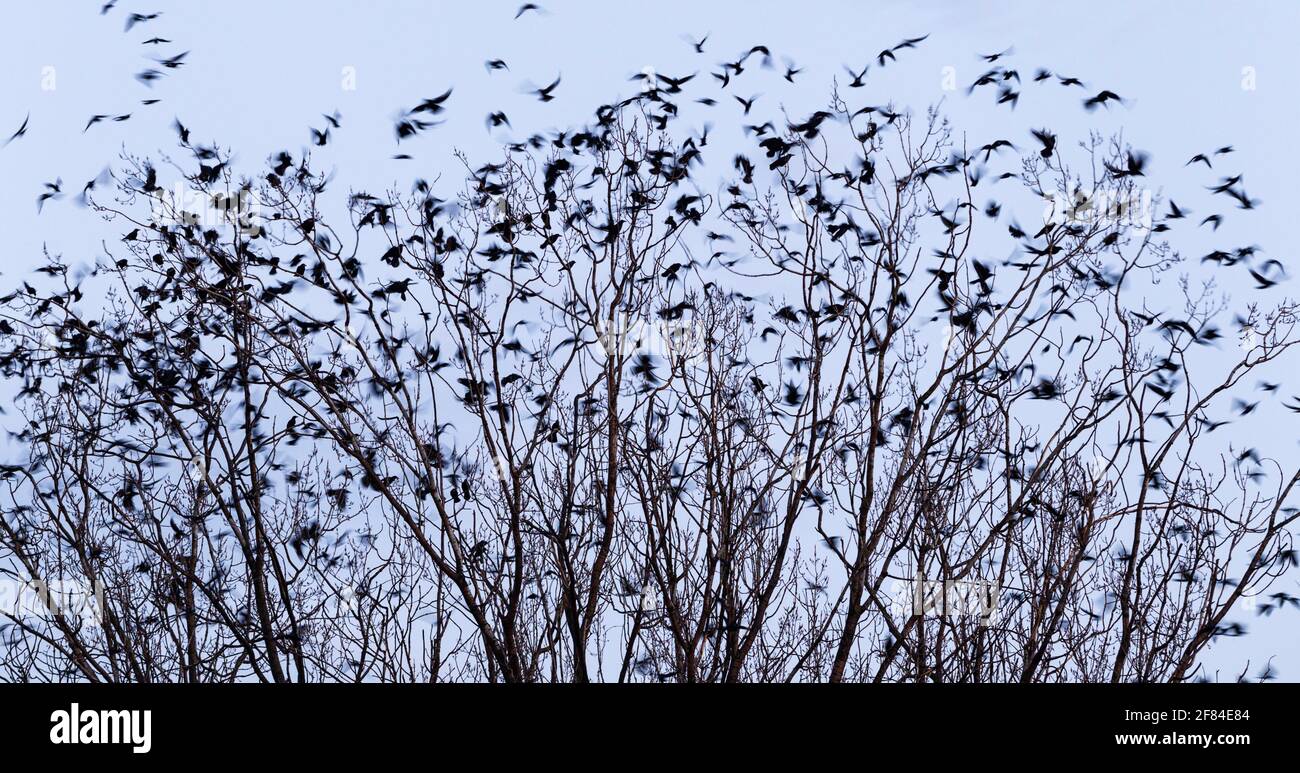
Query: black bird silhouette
x,y
1134,164
858,77
1101,98
173,62
1267,275
645,368
1243,201
147,77
434,105
526,7
1048,141
53,190
675,84
910,42
101,179
888,53
22,130
990,58
545,94
139,18
409,127
995,146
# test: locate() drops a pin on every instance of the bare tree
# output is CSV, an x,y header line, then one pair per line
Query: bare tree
x,y
584,418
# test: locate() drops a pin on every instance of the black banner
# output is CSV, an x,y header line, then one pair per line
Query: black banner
x,y
173,723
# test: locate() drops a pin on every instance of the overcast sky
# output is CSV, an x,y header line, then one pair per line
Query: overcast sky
x,y
259,74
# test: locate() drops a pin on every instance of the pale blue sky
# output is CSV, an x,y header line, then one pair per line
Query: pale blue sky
x,y
259,74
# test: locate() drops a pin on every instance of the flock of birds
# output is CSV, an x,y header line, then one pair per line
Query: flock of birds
x,y
661,91
657,87
54,190
778,145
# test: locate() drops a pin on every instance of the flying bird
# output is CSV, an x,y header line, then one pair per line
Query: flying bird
x,y
22,130
991,58
545,94
173,62
747,103
147,77
434,105
1101,98
53,190
858,77
139,18
1047,140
